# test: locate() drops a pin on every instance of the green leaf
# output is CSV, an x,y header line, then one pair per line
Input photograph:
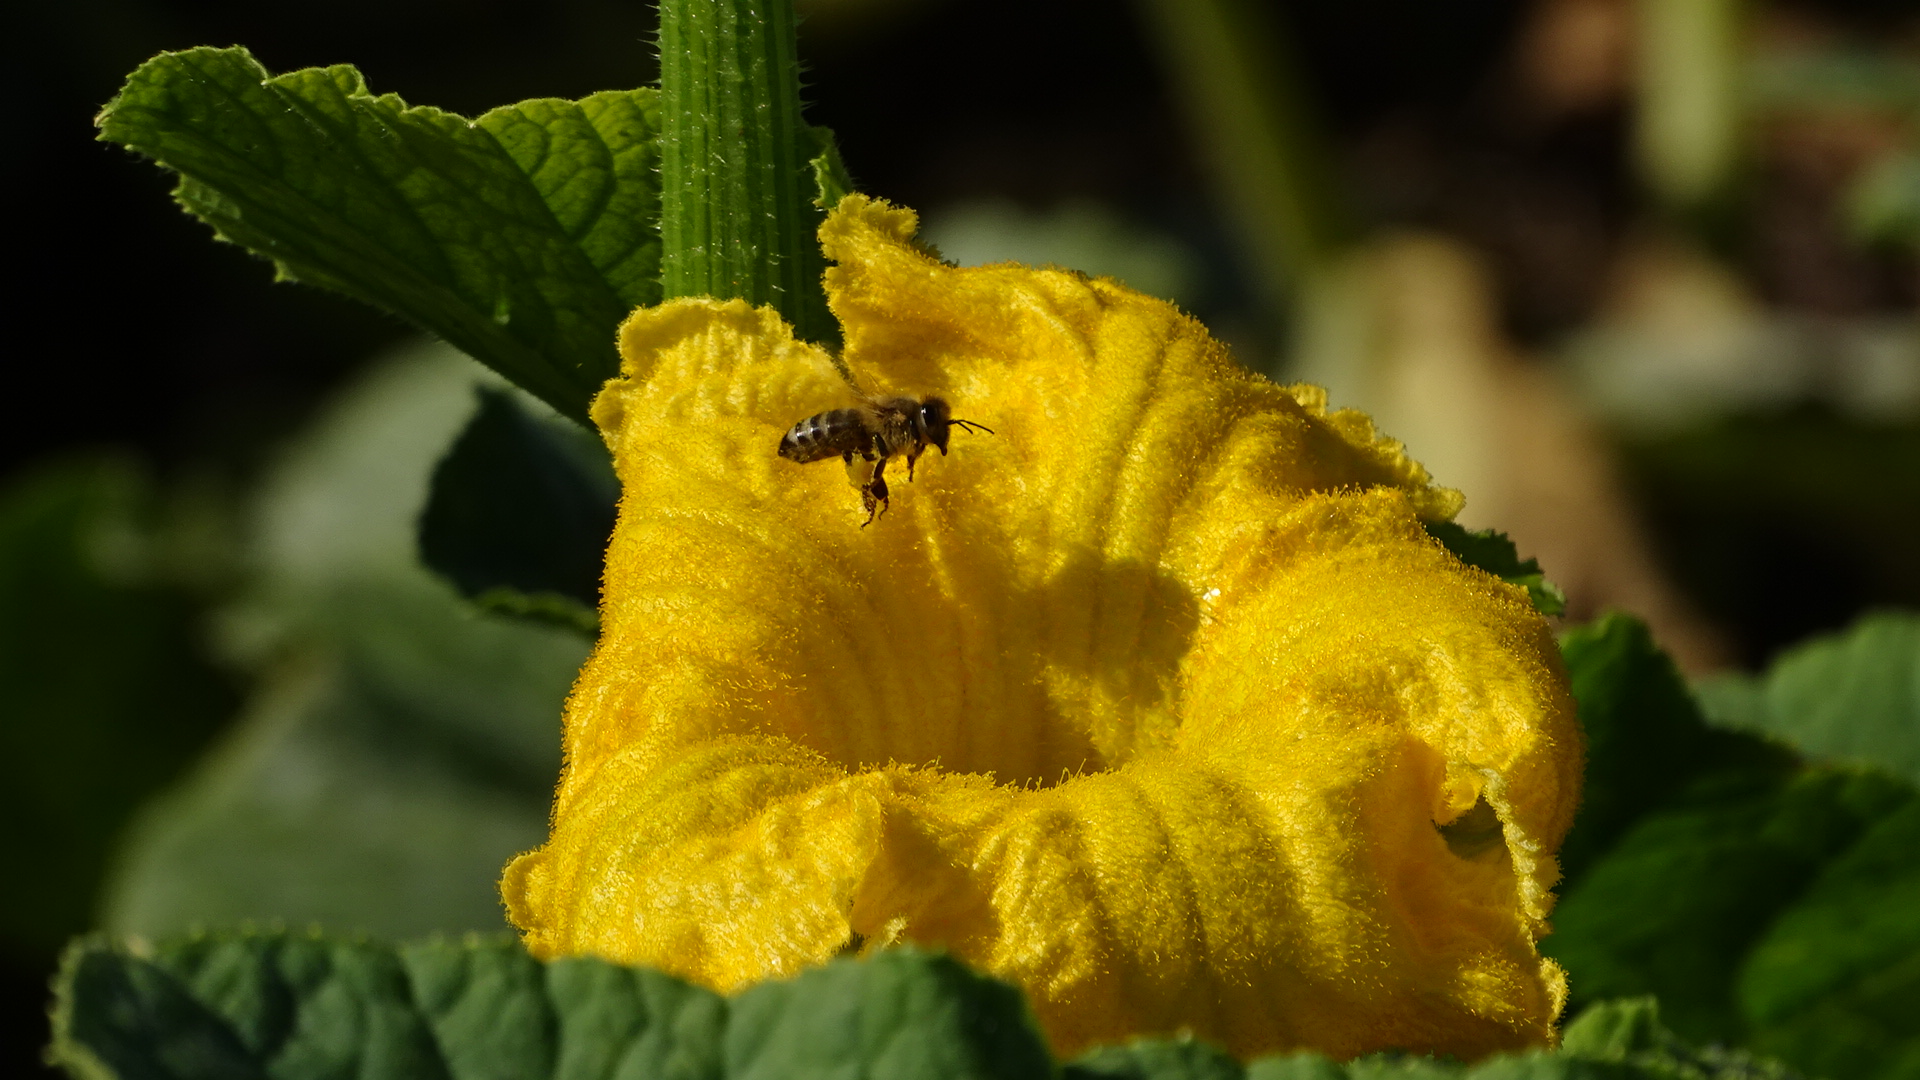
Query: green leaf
x,y
743,178
1491,551
1765,902
1615,1040
105,686
1629,1032
296,1006
830,177
1674,908
1853,696
292,1006
1295,1067
1612,1030
896,1012
1834,986
551,609
1645,735
522,238
400,746
1157,1059
334,804
1398,1066
520,512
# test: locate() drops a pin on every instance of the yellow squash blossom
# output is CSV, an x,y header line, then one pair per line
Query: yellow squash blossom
x,y
1158,702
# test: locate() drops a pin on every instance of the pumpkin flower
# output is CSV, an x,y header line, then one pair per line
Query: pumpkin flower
x,y
1158,702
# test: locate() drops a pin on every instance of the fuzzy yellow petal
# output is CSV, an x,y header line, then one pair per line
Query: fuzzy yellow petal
x,y
1154,702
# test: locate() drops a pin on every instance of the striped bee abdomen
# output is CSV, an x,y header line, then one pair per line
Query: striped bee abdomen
x,y
825,435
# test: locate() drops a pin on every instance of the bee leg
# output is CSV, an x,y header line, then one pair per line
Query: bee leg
x,y
911,458
875,493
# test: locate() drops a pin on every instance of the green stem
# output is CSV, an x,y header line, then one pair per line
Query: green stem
x,y
738,216
1248,106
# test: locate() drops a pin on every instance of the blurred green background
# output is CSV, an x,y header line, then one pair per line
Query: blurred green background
x,y
1639,277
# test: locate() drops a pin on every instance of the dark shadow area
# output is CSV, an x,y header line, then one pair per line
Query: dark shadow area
x,y
1127,643
1787,524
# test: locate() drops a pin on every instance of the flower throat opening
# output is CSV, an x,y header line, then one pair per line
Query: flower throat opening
x,y
1032,686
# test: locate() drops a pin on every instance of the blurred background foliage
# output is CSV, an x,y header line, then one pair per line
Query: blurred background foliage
x,y
1637,275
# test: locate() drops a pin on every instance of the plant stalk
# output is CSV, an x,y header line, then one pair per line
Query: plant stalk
x,y
738,213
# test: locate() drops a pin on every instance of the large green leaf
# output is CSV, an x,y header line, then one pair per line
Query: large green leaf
x,y
1618,1040
1675,907
291,1006
895,1013
1834,986
296,1006
520,512
105,687
333,803
1766,901
1645,736
1852,696
523,237
400,746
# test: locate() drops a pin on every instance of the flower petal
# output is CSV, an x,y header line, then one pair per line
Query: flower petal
x,y
1158,701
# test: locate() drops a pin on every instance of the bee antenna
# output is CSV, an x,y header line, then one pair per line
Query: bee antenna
x,y
969,425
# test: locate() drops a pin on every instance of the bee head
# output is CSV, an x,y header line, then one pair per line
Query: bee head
x,y
935,422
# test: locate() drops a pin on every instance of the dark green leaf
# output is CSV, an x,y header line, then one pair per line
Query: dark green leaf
x,y
1295,1067
1158,1059
552,609
119,1017
400,747
1397,1066
895,1013
296,1006
1491,551
1834,986
1853,696
1674,908
1645,736
619,1021
1615,1040
107,691
334,804
521,507
293,1006
523,238
1629,1032
1765,902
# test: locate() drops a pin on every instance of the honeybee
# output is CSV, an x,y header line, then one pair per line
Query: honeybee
x,y
875,430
